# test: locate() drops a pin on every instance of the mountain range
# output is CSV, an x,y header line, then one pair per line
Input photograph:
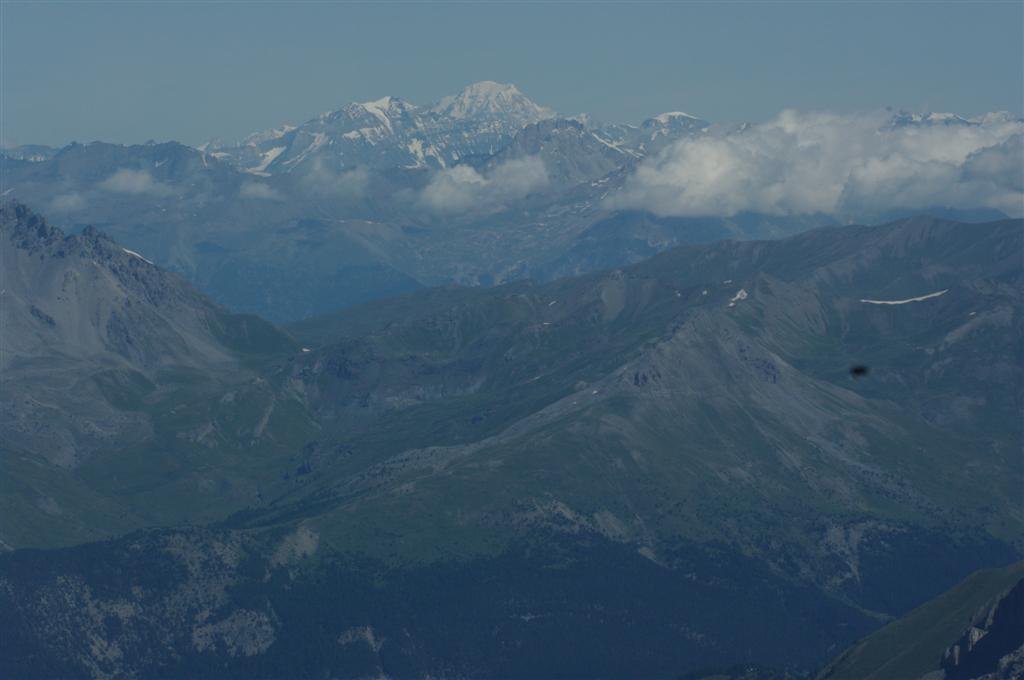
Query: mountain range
x,y
385,197
391,133
645,470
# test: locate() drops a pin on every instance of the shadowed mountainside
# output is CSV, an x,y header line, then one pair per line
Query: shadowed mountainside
x,y
672,458
943,638
116,372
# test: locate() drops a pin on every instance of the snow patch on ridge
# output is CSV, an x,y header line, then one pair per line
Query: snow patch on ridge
x,y
135,254
378,108
903,302
265,160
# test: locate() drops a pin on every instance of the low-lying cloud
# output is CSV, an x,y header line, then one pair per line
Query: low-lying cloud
x,y
464,189
842,165
128,181
260,190
65,203
349,184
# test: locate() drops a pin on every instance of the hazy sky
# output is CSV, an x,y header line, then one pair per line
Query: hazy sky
x,y
191,71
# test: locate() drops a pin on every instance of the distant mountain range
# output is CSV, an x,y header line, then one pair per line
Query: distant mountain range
x,y
391,133
643,471
384,197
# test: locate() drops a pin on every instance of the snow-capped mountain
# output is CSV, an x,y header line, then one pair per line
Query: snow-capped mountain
x,y
906,119
488,100
481,122
268,135
33,153
378,197
571,153
938,118
653,134
665,127
392,132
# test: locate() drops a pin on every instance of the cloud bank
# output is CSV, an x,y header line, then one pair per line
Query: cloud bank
x,y
65,203
463,188
127,181
259,190
350,185
842,165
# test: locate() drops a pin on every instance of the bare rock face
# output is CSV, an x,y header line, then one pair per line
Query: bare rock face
x,y
81,317
105,354
175,601
242,633
85,297
992,647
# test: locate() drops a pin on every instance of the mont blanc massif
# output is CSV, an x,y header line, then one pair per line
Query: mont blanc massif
x,y
473,389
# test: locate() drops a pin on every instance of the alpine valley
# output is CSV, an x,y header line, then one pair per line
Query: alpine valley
x,y
401,392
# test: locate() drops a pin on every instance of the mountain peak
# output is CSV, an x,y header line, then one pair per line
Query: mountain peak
x,y
669,115
935,118
675,119
257,138
384,103
673,123
385,109
25,228
489,99
491,88
29,231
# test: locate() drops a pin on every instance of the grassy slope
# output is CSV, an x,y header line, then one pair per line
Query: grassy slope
x,y
912,646
530,347
584,331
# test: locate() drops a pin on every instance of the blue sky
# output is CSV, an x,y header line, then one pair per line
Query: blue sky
x,y
191,71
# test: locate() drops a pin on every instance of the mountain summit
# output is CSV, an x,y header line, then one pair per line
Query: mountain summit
x,y
490,100
392,132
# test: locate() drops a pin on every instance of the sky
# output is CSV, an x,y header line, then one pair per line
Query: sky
x,y
190,71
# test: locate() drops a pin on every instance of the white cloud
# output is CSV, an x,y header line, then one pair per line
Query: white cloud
x,y
259,190
127,181
844,165
462,188
348,184
65,203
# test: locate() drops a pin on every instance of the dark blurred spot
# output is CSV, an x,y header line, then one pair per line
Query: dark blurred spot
x,y
859,371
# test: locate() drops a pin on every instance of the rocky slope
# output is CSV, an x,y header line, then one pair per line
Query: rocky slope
x,y
972,631
993,645
105,356
660,468
718,375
